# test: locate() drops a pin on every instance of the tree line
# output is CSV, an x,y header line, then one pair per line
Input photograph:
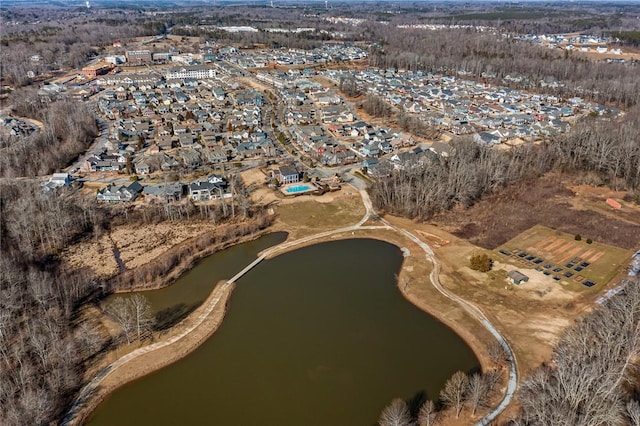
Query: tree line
x,y
45,345
591,378
43,350
68,128
605,152
470,392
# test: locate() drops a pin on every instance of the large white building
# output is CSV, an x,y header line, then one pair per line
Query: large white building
x,y
198,72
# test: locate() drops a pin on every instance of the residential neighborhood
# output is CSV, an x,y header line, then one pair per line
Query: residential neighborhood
x,y
207,114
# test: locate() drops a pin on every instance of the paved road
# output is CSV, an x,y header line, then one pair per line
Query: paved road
x,y
97,147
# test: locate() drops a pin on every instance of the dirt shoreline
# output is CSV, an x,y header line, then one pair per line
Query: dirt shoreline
x,y
150,362
147,363
190,261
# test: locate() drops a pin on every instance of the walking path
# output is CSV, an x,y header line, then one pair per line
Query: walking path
x,y
89,389
475,312
469,307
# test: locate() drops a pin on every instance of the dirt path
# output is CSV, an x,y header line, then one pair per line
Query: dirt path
x,y
190,334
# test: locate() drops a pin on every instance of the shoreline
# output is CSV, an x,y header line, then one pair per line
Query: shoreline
x,y
196,334
177,343
190,259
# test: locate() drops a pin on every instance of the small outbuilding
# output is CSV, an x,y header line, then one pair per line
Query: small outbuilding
x,y
517,277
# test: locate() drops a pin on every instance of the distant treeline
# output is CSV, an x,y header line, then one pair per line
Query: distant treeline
x,y
628,37
68,129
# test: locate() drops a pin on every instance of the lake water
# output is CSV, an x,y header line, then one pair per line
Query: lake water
x,y
317,336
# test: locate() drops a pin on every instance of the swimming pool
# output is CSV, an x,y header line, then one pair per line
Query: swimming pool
x,y
298,188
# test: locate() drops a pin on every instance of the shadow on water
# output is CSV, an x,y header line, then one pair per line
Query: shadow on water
x,y
416,402
170,316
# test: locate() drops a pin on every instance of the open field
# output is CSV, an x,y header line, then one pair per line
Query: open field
x,y
558,258
309,214
546,201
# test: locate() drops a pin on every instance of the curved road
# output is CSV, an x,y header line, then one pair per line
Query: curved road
x,y
472,309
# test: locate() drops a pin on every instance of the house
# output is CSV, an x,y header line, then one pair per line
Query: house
x,y
123,193
168,163
486,138
164,142
206,191
214,155
143,167
517,277
186,140
370,149
440,148
217,180
165,192
60,179
369,165
190,158
287,174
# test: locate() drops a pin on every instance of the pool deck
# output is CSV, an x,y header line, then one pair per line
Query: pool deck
x,y
311,186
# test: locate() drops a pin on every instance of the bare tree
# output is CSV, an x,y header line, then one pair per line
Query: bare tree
x,y
120,310
143,318
133,315
477,392
455,392
593,364
496,352
428,415
633,412
395,414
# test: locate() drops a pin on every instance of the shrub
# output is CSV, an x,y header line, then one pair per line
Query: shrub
x,y
589,240
481,263
578,237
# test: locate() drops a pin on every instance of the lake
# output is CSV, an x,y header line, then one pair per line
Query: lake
x,y
316,336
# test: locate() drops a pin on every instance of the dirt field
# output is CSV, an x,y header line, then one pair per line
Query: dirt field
x,y
558,259
550,202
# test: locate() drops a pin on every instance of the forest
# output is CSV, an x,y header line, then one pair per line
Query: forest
x,y
68,128
491,57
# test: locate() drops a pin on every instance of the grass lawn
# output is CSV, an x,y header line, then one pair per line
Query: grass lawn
x,y
306,217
